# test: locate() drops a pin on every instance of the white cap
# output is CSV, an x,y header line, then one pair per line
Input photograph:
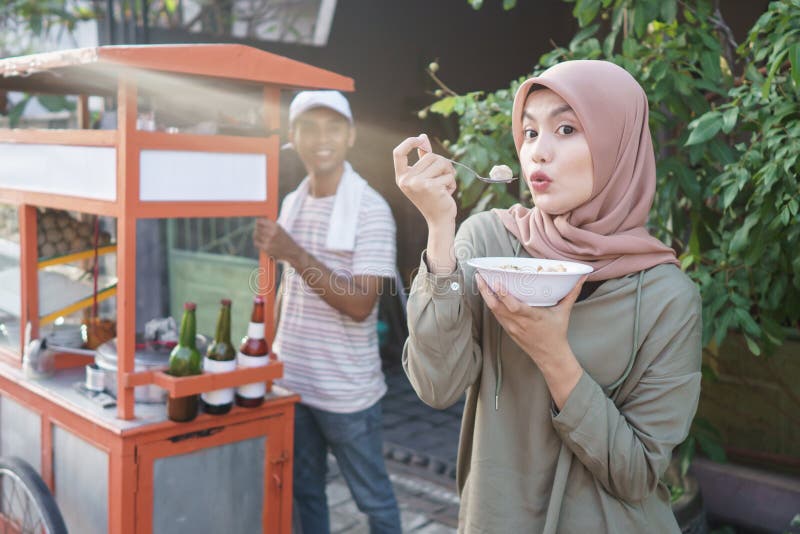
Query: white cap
x,y
306,100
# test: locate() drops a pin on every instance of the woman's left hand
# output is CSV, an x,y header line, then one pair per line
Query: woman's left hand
x,y
541,332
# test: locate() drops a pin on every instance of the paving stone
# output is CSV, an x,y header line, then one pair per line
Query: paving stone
x,y
347,518
401,455
427,441
447,516
439,467
391,419
435,528
421,503
412,520
438,418
419,460
397,435
420,444
337,492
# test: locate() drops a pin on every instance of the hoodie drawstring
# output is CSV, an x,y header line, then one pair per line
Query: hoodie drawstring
x,y
498,381
635,347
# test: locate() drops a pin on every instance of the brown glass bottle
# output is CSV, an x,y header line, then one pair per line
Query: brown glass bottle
x,y
185,360
220,358
254,352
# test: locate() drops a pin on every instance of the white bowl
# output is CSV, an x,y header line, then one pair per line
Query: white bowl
x,y
530,280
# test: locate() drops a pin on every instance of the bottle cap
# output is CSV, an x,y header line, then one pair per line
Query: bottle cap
x,y
226,302
191,306
258,299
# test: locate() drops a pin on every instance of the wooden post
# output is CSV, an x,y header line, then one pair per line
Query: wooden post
x,y
29,272
83,112
127,195
272,107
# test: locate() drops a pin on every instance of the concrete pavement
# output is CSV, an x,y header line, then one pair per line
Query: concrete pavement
x,y
420,445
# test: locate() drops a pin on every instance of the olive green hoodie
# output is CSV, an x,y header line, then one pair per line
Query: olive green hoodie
x,y
595,466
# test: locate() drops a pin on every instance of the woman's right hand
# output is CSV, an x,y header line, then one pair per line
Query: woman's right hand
x,y
429,184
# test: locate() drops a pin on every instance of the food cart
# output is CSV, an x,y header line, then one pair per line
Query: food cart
x,y
129,469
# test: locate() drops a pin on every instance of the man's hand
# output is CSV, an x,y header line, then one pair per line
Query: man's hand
x,y
273,240
354,296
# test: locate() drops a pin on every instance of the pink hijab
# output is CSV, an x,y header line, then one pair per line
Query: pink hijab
x,y
606,232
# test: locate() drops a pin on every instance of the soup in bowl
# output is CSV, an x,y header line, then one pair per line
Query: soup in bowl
x,y
533,281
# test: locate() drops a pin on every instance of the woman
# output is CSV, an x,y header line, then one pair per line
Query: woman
x,y
572,411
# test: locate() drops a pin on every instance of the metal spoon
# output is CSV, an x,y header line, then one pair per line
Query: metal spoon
x,y
470,169
482,178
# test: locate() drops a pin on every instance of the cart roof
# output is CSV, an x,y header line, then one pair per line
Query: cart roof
x,y
96,70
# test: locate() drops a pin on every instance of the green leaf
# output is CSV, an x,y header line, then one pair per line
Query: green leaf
x,y
712,447
609,42
704,128
586,11
694,239
509,4
444,106
721,152
55,103
774,69
747,322
739,240
472,193
709,62
16,111
708,373
772,330
659,69
669,10
683,83
476,4
794,58
35,24
675,493
752,345
584,34
710,42
687,454
729,119
640,18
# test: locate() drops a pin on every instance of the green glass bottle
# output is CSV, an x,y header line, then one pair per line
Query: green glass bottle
x,y
220,358
185,360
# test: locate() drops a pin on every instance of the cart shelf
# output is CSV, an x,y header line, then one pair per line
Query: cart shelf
x,y
87,302
77,256
193,385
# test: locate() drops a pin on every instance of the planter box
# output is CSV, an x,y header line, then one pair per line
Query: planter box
x,y
747,497
755,404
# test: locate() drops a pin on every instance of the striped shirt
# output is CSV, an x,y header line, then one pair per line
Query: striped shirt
x,y
331,360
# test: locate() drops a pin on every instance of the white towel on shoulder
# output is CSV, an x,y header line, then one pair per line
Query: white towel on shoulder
x,y
344,217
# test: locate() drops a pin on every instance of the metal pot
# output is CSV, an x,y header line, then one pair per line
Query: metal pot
x,y
145,359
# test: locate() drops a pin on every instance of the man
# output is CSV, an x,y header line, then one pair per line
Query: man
x,y
336,236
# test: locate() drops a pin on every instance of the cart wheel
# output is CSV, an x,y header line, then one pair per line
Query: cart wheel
x,y
26,504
